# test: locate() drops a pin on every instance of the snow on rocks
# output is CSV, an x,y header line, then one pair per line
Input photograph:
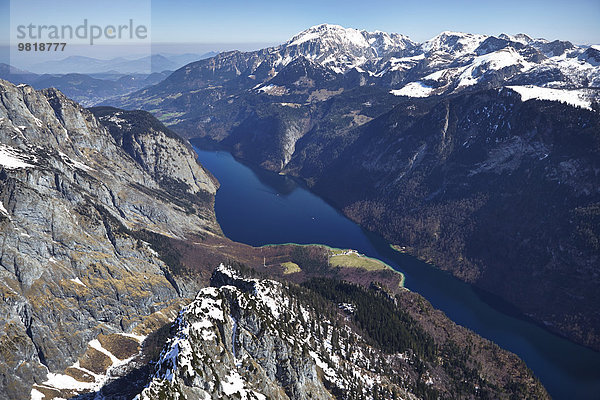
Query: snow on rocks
x,y
493,61
77,281
3,210
13,158
343,49
74,163
457,43
238,339
68,384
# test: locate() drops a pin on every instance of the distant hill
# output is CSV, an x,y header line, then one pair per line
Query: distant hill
x,y
86,89
89,65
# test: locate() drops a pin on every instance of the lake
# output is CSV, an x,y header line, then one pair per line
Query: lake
x,y
258,208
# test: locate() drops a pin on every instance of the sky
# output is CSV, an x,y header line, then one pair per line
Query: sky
x,y
197,25
574,20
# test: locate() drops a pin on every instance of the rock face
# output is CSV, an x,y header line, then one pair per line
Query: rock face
x,y
164,155
80,214
248,338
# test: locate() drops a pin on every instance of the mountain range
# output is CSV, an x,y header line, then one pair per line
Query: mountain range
x,y
88,90
476,153
122,65
447,64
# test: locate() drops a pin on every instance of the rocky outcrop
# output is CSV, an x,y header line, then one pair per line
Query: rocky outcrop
x,y
231,343
79,218
169,159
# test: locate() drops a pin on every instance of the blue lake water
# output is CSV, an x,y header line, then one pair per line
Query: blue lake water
x,y
258,208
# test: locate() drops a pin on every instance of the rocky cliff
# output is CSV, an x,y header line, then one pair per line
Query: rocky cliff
x,y
80,214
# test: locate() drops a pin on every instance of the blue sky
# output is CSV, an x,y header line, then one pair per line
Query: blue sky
x,y
276,21
223,25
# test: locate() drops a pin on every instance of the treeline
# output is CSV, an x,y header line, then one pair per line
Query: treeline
x,y
391,329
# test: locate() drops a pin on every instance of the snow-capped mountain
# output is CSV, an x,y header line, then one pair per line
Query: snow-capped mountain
x,y
449,63
455,61
342,49
454,43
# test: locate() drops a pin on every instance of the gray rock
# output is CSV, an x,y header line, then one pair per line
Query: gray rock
x,y
256,339
72,264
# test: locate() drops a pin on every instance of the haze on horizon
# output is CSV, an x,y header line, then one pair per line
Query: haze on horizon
x,y
187,26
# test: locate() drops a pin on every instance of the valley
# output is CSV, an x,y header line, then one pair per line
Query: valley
x,y
288,212
464,175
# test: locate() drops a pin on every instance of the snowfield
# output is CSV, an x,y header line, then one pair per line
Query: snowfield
x,y
414,89
577,98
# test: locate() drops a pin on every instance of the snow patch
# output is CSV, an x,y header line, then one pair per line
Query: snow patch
x,y
78,281
414,89
3,210
37,395
12,158
95,344
233,383
60,381
139,338
577,98
73,163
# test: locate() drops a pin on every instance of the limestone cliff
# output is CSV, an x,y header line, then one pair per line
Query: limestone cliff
x,y
77,213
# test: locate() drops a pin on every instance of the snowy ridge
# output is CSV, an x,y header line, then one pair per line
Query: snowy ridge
x,y
414,89
455,60
456,43
335,58
225,341
494,61
342,49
